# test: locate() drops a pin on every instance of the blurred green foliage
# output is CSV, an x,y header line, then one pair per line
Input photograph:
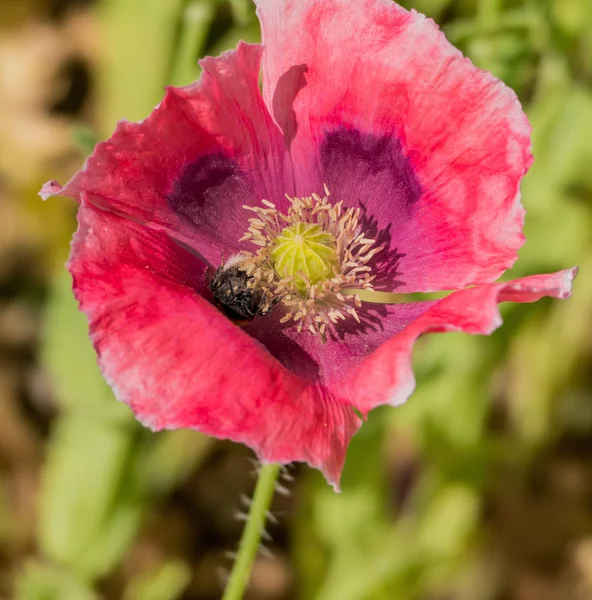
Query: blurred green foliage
x,y
409,523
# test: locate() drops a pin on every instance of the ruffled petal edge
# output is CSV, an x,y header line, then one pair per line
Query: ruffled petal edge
x,y
386,376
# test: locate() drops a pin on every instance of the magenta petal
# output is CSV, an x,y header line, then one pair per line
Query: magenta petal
x,y
329,361
49,189
390,115
177,362
188,168
386,376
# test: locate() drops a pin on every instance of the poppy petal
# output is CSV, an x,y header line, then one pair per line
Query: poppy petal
x,y
326,360
395,120
386,376
178,362
188,168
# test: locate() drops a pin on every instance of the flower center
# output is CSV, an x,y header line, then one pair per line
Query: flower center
x,y
305,252
306,258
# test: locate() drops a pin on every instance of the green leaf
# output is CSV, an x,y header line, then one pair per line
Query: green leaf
x,y
169,459
86,516
140,49
197,18
85,138
42,582
166,583
72,363
448,523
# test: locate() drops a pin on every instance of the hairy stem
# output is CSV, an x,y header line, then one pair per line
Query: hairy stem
x,y
249,544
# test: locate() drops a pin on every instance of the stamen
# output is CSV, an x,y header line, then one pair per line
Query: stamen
x,y
313,260
370,295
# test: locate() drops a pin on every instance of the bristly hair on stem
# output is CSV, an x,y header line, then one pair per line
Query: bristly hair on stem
x,y
254,531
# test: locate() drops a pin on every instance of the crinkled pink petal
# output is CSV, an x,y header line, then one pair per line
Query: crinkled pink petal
x,y
374,102
327,361
177,362
188,168
386,376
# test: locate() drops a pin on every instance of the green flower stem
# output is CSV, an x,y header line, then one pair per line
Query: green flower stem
x,y
249,544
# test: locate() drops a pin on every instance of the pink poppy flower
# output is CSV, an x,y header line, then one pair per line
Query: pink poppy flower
x,y
376,159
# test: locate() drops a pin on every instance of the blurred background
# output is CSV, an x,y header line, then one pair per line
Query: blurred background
x,y
480,488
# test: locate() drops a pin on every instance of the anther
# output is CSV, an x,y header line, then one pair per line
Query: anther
x,y
307,256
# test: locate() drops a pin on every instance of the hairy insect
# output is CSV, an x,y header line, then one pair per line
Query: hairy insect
x,y
233,295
